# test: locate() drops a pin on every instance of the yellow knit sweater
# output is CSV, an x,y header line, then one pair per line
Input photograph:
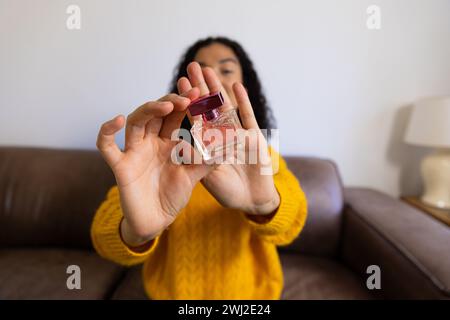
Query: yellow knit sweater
x,y
209,252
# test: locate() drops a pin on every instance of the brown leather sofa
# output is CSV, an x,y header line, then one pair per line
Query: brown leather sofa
x,y
48,198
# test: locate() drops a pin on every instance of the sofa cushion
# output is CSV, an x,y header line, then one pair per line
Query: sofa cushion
x,y
131,287
310,278
305,278
41,274
322,185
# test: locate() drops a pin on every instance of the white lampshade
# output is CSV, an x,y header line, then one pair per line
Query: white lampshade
x,y
429,124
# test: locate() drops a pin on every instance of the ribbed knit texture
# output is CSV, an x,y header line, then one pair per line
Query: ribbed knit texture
x,y
209,252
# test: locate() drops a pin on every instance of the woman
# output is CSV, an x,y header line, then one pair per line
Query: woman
x,y
210,240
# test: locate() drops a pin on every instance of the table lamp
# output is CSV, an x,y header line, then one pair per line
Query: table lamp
x,y
429,126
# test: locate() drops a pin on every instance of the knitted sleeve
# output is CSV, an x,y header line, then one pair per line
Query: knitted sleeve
x,y
289,219
106,237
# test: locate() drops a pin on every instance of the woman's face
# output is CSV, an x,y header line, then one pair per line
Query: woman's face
x,y
224,62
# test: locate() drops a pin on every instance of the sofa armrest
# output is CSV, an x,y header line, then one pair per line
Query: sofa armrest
x,y
411,248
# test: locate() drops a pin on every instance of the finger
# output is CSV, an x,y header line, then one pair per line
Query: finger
x,y
106,143
215,85
197,172
191,94
245,107
179,102
146,119
183,85
196,78
173,121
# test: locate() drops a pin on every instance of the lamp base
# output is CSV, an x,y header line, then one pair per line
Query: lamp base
x,y
435,170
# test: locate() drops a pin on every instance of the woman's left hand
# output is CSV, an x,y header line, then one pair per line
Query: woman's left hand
x,y
246,187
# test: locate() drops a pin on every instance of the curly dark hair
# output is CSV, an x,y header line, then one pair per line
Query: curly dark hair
x,y
263,113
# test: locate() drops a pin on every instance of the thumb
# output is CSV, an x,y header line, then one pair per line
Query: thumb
x,y
198,171
193,163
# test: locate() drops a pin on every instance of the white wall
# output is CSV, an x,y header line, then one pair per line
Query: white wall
x,y
338,89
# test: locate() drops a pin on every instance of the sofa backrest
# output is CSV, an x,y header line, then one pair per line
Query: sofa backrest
x,y
48,197
322,184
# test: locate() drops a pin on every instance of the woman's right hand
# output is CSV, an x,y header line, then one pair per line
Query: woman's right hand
x,y
152,188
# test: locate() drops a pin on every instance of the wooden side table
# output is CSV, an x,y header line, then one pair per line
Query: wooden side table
x,y
440,214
